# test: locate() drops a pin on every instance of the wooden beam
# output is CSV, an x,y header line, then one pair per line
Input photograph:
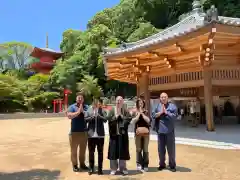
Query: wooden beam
x,y
122,66
192,35
226,51
179,47
225,67
226,39
228,29
186,55
176,85
124,80
187,61
235,45
195,42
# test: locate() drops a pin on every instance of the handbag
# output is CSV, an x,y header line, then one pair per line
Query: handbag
x,y
142,131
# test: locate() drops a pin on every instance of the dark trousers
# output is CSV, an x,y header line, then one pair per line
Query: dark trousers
x,y
142,150
92,144
167,142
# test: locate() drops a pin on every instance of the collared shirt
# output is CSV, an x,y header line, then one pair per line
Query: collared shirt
x,y
165,123
94,112
78,123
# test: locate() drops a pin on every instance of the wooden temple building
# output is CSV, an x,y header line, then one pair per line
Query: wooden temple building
x,y
199,57
47,59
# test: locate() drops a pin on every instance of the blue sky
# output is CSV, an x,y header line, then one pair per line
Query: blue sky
x,y
29,20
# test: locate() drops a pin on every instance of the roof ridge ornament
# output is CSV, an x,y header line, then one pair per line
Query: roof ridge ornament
x,y
123,45
211,14
196,9
46,40
196,6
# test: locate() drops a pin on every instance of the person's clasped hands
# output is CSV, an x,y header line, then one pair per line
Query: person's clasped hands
x,y
163,111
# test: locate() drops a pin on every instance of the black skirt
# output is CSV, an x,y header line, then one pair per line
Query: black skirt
x,y
119,147
119,140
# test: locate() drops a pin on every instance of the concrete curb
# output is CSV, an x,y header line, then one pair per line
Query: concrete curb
x,y
193,142
31,115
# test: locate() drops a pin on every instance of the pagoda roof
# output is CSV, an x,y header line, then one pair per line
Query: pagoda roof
x,y
47,65
39,52
192,21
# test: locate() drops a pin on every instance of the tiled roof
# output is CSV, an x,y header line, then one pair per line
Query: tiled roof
x,y
50,50
196,19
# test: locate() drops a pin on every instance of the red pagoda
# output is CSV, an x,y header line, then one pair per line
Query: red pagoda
x,y
47,59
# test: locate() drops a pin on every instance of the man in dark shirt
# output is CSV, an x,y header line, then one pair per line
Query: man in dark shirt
x,y
78,133
164,116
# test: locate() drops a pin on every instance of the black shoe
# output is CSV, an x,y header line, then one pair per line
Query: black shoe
x,y
160,168
75,168
90,171
100,172
84,167
173,169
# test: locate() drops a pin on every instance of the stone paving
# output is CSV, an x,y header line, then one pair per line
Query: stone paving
x,y
39,150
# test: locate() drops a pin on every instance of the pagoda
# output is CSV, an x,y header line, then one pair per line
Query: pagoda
x,y
47,59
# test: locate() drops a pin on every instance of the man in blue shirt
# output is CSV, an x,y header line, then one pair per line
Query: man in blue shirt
x,y
78,133
164,116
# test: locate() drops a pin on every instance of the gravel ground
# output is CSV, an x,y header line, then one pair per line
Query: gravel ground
x,y
39,150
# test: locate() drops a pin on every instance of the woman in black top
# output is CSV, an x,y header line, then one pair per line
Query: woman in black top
x,y
142,124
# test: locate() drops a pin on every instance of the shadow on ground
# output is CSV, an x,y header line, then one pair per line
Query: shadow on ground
x,y
179,169
35,174
183,169
130,172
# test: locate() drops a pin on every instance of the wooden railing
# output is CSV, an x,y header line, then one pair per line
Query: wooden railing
x,y
226,74
194,76
183,77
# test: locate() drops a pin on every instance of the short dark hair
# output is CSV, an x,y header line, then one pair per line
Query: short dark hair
x,y
137,103
79,94
97,100
100,101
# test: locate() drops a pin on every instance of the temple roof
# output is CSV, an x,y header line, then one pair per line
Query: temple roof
x,y
51,50
193,21
42,65
39,52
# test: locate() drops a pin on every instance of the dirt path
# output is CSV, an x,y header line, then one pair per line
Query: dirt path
x,y
39,149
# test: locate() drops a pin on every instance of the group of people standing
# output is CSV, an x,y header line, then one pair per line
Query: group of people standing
x,y
87,128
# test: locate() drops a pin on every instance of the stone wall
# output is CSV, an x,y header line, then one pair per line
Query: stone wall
x,y
30,115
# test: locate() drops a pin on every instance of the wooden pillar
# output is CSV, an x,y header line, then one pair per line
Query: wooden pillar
x,y
138,89
208,98
146,90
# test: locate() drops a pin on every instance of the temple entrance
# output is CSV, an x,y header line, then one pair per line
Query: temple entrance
x,y
191,110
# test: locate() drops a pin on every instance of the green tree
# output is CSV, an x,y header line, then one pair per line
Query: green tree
x,y
36,95
103,17
89,87
15,54
145,30
70,39
230,8
10,87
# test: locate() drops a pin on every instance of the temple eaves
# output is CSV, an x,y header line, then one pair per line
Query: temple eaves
x,y
194,20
